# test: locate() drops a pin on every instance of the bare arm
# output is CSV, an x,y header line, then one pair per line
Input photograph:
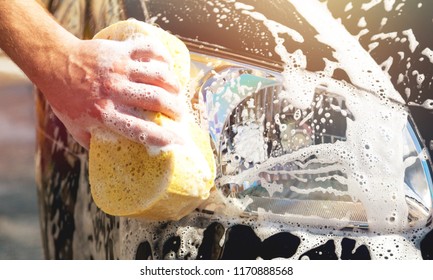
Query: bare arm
x,y
91,83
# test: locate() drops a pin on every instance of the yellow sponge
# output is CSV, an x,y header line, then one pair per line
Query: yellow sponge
x,y
126,179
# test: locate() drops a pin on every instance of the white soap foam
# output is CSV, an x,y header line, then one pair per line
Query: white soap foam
x,y
428,53
413,43
374,163
372,154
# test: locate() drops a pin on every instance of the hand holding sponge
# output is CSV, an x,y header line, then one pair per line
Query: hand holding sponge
x,y
157,183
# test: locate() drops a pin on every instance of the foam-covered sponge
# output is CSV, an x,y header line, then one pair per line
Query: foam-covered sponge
x,y
126,178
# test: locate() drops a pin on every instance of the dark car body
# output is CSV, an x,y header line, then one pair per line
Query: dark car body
x,y
74,228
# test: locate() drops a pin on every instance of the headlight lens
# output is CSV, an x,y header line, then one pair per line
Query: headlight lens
x,y
264,149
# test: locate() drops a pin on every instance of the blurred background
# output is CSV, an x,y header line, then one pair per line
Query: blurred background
x,y
19,220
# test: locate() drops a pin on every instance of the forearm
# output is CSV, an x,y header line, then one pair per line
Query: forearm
x,y
33,40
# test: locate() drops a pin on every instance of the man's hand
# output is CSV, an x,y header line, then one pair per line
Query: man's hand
x,y
109,83
92,83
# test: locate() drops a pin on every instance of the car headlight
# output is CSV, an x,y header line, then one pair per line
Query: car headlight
x,y
265,148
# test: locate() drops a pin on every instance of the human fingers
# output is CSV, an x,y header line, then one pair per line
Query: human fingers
x,y
144,48
151,98
154,72
126,123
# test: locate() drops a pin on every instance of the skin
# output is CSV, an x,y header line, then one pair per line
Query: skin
x,y
92,83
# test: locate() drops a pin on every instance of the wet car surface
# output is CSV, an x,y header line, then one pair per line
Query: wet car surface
x,y
73,227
